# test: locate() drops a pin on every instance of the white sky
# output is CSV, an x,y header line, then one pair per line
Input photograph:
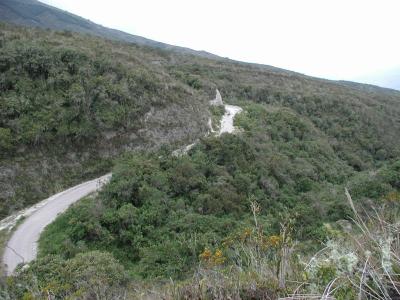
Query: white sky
x,y
336,39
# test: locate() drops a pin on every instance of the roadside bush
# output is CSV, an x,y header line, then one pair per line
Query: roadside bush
x,y
91,275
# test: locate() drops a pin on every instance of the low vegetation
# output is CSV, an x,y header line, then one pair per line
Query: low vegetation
x,y
359,260
245,228
70,103
259,214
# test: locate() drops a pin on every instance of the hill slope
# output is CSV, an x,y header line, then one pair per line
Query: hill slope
x,y
70,103
74,106
35,13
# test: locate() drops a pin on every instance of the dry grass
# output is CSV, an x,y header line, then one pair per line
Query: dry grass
x,y
363,263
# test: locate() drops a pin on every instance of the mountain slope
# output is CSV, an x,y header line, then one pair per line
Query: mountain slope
x,y
75,106
70,103
35,13
389,78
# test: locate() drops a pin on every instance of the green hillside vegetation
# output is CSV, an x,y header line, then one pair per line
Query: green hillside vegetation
x,y
160,211
73,107
68,104
164,217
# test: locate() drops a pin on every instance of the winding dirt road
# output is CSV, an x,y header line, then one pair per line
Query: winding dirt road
x,y
227,118
22,246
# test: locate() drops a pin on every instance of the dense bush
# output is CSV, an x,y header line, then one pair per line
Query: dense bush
x,y
70,103
91,275
60,93
79,92
159,211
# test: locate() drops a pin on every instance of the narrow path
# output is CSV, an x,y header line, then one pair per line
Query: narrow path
x,y
226,126
22,246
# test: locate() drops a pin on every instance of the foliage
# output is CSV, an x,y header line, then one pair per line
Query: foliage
x,y
159,212
92,275
70,103
6,141
61,90
360,260
217,112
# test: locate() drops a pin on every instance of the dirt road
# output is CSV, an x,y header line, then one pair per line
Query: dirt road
x,y
22,247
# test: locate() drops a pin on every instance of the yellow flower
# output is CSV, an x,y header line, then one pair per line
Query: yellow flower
x,y
218,257
274,240
206,254
212,259
218,253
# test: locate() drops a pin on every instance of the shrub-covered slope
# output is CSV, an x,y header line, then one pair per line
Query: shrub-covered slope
x,y
361,121
160,211
69,103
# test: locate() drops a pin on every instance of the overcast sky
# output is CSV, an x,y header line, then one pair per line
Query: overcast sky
x,y
335,39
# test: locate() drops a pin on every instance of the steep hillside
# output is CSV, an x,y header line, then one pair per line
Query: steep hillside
x,y
74,106
222,219
38,14
360,121
70,103
81,100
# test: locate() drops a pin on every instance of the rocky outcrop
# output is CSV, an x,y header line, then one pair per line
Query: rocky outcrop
x,y
218,99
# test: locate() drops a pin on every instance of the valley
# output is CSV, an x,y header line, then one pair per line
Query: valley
x,y
292,187
22,246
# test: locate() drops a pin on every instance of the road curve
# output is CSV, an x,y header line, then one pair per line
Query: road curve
x,y
22,246
227,119
226,126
